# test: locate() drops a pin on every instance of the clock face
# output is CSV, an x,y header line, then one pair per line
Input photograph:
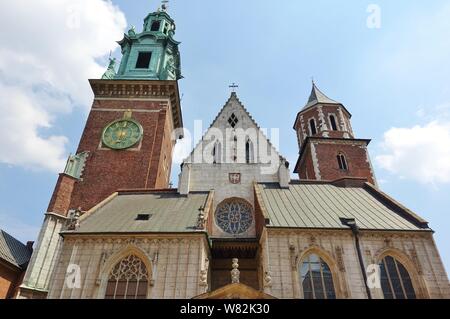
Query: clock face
x,y
122,134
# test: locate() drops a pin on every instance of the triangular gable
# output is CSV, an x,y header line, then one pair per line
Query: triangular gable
x,y
221,122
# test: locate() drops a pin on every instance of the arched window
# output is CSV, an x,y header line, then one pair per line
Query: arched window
x,y
333,123
395,280
342,162
248,152
316,278
128,279
312,127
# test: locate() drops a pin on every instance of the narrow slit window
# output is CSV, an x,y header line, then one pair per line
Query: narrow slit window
x,y
312,127
333,123
143,61
342,162
247,152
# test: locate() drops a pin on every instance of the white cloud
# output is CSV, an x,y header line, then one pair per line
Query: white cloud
x,y
421,153
49,50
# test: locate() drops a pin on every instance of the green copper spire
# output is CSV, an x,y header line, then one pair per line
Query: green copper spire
x,y
152,54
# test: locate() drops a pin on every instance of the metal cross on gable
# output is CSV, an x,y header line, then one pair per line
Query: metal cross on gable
x,y
233,87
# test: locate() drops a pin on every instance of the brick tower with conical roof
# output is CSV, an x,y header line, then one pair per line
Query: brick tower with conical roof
x,y
328,147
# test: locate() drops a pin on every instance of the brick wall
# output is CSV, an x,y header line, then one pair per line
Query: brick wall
x,y
321,155
355,155
62,195
108,170
8,280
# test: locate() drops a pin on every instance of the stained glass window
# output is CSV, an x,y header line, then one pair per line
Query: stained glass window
x,y
128,279
395,280
316,278
234,217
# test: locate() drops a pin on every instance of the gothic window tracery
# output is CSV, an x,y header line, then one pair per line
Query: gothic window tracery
x,y
316,278
234,216
395,280
128,279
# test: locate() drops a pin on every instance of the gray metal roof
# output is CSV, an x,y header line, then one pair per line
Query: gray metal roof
x,y
321,205
170,212
317,96
13,251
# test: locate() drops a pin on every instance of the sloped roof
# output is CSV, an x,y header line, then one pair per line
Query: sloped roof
x,y
317,97
321,205
13,251
169,212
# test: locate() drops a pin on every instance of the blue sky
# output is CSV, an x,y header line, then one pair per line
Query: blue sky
x,y
393,79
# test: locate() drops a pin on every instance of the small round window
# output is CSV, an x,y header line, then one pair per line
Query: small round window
x,y
234,216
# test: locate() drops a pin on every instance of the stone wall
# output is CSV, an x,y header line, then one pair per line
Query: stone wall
x,y
284,250
37,276
174,264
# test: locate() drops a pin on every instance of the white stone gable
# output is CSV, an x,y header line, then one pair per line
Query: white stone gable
x,y
242,153
244,142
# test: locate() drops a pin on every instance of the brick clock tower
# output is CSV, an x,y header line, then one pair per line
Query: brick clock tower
x,y
127,142
328,147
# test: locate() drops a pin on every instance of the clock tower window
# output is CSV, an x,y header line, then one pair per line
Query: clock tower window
x,y
155,26
143,60
333,123
312,127
342,162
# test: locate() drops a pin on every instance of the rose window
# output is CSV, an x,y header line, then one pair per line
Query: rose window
x,y
234,217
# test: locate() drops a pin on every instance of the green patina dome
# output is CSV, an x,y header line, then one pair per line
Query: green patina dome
x,y
152,54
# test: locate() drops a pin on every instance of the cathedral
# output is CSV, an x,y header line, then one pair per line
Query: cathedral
x,y
237,225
